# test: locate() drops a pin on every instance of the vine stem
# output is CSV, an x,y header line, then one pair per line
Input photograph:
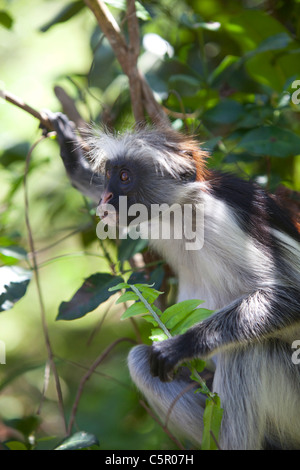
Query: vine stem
x,y
88,374
39,290
153,313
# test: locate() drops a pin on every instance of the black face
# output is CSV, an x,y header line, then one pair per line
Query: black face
x,y
122,179
142,184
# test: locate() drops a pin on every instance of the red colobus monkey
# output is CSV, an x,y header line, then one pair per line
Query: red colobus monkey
x,y
248,272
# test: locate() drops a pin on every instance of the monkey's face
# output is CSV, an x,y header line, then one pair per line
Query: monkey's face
x,y
131,189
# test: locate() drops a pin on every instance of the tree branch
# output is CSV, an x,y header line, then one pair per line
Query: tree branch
x,y
132,57
142,97
69,107
111,29
21,104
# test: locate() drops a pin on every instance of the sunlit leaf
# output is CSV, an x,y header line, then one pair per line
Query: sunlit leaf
x,y
13,285
79,440
138,308
212,418
15,445
196,316
174,314
148,292
157,335
12,254
127,296
119,286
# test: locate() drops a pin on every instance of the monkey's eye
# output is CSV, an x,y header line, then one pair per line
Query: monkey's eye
x,y
124,176
108,174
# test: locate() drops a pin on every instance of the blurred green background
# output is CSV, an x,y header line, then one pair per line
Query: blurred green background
x,y
223,70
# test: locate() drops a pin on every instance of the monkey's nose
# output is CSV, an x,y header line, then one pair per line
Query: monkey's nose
x,y
106,197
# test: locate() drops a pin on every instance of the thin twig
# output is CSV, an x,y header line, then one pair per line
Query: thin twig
x,y
96,372
21,104
186,389
86,377
39,290
99,325
166,430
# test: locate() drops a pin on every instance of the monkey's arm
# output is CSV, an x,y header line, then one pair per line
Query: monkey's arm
x,y
251,318
77,167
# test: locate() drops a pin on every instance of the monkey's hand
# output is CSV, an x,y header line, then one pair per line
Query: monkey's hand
x,y
166,355
78,169
70,149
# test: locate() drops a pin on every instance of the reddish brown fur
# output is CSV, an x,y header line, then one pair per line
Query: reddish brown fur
x,y
189,147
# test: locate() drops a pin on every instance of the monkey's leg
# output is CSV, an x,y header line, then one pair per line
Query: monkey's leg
x,y
77,167
174,401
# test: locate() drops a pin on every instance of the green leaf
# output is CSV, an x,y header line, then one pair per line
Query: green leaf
x,y
251,27
136,309
197,364
15,445
150,319
158,335
65,14
94,291
227,111
127,296
271,141
196,316
148,292
178,312
12,254
6,20
228,61
272,43
13,285
212,418
121,285
79,440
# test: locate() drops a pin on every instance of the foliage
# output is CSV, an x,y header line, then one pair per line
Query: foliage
x,y
225,71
